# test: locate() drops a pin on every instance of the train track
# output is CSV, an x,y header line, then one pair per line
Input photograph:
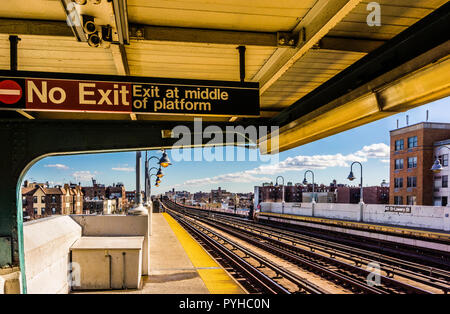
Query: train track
x,y
263,277
435,277
337,266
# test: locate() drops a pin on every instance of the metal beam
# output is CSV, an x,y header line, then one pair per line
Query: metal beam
x,y
198,35
34,27
349,44
190,35
120,59
316,24
409,70
420,38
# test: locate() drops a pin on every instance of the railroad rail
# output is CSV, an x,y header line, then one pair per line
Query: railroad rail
x,y
312,255
257,279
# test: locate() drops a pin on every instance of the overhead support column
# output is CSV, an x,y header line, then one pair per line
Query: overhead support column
x,y
13,57
316,24
241,63
13,42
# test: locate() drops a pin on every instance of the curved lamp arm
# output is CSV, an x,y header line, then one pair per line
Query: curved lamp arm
x,y
352,177
282,191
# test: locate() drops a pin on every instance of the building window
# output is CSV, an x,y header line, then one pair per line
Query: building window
x,y
412,142
399,145
53,199
398,182
412,182
35,211
411,200
412,162
42,199
53,210
398,164
42,211
444,160
445,181
34,199
398,200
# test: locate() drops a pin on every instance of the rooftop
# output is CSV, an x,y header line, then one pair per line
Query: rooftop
x,y
421,125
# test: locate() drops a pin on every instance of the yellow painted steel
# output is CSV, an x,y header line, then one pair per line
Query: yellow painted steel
x,y
216,279
366,226
420,87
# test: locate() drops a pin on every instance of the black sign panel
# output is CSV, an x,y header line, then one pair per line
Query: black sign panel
x,y
199,100
119,94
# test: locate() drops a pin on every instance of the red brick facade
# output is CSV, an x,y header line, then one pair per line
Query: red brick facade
x,y
414,161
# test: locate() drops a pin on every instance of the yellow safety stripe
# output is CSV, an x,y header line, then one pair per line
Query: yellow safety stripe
x,y
216,279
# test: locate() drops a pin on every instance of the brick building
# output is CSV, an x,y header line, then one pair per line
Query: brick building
x,y
270,193
39,200
96,191
371,194
412,156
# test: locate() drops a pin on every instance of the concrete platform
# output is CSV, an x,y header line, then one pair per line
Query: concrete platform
x,y
179,265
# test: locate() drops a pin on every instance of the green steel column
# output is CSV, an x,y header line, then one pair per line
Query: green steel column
x,y
13,160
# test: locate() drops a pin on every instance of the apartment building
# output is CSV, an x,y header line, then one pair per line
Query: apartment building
x,y
39,200
413,152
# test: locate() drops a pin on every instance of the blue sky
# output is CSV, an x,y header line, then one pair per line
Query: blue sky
x,y
329,158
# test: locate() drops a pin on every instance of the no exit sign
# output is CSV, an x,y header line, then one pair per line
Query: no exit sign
x,y
113,94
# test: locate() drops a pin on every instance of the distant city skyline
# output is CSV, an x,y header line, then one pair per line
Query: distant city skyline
x,y
329,158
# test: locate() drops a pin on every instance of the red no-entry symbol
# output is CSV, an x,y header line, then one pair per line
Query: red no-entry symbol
x,y
10,92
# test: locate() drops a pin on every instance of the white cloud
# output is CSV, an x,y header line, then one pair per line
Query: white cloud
x,y
58,166
386,161
297,163
237,177
127,169
379,150
84,175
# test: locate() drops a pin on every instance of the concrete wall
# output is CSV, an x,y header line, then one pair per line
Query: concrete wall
x,y
46,244
428,217
119,226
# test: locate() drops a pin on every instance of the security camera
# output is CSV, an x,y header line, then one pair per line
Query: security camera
x,y
88,24
107,33
94,40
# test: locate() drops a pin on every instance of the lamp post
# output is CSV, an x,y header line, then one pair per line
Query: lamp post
x,y
163,162
282,192
159,174
352,177
139,209
437,166
313,199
